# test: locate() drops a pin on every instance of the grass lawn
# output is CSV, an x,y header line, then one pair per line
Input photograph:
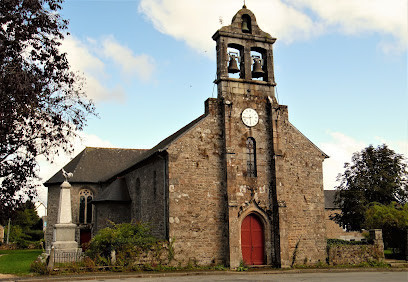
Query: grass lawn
x,y
17,261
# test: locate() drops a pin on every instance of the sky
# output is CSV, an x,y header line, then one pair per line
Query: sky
x,y
340,66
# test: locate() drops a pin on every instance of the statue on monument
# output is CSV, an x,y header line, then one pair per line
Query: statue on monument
x,y
67,175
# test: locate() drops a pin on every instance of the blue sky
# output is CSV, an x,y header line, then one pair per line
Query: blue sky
x,y
340,66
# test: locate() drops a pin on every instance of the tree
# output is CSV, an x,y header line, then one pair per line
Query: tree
x,y
26,226
375,175
393,220
42,105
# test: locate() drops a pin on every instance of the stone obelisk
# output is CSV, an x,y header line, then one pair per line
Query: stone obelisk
x,y
64,229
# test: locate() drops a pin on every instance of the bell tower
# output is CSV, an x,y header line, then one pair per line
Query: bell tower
x,y
245,50
246,95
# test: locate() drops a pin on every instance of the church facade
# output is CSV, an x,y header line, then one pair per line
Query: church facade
x,y
239,183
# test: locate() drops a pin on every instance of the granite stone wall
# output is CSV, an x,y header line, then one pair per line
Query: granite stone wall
x,y
356,254
108,212
197,196
147,186
299,188
210,192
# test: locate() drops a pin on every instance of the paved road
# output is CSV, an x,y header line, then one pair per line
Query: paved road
x,y
288,277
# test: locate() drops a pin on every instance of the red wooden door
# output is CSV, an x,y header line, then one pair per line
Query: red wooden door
x,y
85,237
252,240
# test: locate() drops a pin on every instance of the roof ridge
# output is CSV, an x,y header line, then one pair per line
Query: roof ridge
x,y
115,148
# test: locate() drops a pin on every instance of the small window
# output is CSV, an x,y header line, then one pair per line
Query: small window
x,y
251,157
154,183
85,206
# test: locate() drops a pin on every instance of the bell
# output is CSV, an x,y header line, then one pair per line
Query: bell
x,y
232,65
257,70
245,27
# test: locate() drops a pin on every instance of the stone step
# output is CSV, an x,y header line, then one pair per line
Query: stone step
x,y
397,263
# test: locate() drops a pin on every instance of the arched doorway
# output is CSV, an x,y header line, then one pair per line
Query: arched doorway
x,y
252,240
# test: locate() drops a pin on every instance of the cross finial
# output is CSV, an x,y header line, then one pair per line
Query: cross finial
x,y
244,5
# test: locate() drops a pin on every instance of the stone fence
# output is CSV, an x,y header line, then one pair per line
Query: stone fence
x,y
339,254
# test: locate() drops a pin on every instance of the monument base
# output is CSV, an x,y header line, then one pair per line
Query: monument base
x,y
64,238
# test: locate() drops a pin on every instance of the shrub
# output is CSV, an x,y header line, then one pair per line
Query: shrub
x,y
334,242
126,239
39,266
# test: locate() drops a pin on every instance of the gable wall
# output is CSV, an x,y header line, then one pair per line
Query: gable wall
x,y
300,195
197,197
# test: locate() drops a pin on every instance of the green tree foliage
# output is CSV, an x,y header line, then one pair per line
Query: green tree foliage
x,y
126,239
392,219
374,175
42,104
26,226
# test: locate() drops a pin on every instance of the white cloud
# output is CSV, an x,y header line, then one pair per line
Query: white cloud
x,y
196,21
92,68
47,169
354,17
289,20
91,57
141,65
340,150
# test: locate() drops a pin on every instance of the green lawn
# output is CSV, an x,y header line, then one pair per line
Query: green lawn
x,y
17,261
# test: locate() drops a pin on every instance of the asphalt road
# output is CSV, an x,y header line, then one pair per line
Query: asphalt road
x,y
286,277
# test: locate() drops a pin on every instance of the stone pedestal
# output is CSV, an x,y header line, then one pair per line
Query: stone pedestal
x,y
64,237
64,229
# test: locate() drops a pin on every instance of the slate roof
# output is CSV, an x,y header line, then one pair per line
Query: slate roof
x,y
95,165
117,191
163,145
329,196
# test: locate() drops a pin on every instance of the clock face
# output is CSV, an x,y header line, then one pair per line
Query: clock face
x,y
250,117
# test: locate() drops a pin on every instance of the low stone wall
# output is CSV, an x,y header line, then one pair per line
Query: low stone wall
x,y
161,254
354,254
339,254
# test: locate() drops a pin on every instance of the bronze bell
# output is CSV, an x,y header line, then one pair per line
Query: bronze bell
x,y
245,27
257,70
233,65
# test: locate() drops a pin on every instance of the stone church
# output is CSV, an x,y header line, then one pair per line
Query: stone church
x,y
239,183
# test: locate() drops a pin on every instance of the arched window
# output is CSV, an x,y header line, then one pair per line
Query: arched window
x,y
138,195
154,183
246,24
85,206
235,61
251,157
